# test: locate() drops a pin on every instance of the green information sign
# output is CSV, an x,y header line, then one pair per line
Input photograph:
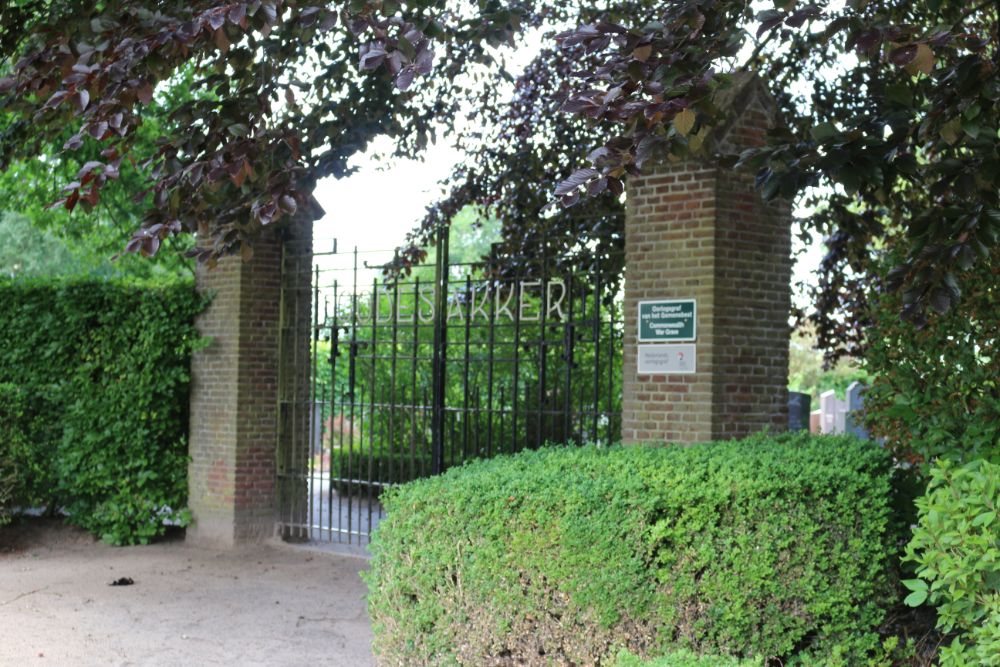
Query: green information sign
x,y
667,320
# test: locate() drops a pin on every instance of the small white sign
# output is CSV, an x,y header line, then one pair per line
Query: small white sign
x,y
666,359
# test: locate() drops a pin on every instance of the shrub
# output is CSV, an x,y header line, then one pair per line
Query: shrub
x,y
8,477
771,547
956,547
96,377
353,471
13,441
936,388
685,659
28,440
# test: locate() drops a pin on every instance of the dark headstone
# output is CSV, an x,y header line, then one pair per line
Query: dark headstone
x,y
799,405
855,409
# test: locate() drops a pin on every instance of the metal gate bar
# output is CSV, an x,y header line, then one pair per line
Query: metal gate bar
x,y
409,377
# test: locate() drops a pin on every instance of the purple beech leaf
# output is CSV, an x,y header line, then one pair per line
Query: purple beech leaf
x,y
98,130
648,147
150,246
75,142
372,56
87,168
134,244
405,78
595,188
575,180
328,21
802,15
238,15
394,61
424,63
144,93
579,105
216,20
270,12
769,19
902,55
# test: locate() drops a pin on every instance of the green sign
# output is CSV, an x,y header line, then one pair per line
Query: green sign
x,y
667,320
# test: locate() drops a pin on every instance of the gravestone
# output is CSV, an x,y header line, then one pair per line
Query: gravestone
x,y
833,412
855,408
799,406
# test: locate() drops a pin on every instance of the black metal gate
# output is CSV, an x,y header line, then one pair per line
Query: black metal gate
x,y
409,377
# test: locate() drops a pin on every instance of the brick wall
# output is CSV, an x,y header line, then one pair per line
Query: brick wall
x,y
694,230
234,401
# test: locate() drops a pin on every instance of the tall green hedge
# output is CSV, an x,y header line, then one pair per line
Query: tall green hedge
x,y
94,378
770,547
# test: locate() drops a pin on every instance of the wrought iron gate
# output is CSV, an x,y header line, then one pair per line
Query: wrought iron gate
x,y
410,377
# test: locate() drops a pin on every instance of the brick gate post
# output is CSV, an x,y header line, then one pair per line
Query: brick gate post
x,y
698,232
233,445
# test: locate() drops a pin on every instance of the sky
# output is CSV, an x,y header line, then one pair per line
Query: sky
x,y
377,205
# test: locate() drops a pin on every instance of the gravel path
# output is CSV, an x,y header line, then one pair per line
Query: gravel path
x,y
269,605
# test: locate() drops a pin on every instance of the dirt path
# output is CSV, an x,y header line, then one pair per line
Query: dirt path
x,y
263,606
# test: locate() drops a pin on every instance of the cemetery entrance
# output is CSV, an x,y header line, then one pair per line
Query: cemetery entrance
x,y
398,377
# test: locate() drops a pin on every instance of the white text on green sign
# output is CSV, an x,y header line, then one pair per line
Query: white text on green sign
x,y
667,320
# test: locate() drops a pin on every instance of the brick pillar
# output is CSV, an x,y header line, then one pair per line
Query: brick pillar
x,y
234,401
697,231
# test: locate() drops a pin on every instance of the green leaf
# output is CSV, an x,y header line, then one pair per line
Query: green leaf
x,y
951,131
915,599
824,131
984,519
684,121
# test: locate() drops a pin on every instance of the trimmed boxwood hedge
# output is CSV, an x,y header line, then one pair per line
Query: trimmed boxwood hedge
x,y
94,380
683,658
770,547
353,469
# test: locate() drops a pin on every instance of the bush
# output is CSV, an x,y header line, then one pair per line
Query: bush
x,y
956,546
353,471
28,440
685,659
936,388
770,547
96,381
8,477
13,440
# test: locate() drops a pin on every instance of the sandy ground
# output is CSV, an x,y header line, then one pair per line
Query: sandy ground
x,y
270,605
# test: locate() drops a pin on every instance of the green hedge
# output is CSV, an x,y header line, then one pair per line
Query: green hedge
x,y
352,471
684,658
11,439
27,442
95,379
770,547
